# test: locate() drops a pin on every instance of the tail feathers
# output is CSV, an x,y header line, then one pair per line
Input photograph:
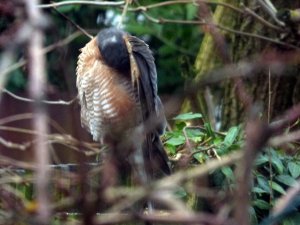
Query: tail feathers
x,y
156,158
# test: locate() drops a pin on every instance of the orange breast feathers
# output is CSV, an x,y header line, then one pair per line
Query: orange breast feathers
x,y
108,101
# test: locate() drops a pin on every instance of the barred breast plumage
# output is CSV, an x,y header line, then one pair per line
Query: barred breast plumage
x,y
109,105
117,89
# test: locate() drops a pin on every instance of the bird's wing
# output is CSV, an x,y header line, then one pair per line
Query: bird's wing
x,y
147,72
152,108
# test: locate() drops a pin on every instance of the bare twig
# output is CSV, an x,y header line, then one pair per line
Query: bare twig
x,y
9,68
73,23
285,138
166,3
289,117
59,102
260,19
269,151
197,22
95,3
257,134
37,84
10,144
271,10
123,16
185,175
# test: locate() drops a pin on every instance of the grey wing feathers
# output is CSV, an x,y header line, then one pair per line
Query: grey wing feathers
x,y
154,108
145,62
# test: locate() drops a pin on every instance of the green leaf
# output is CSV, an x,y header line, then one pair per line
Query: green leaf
x,y
228,140
209,130
171,149
262,159
227,171
175,141
231,136
277,187
263,184
286,179
294,169
200,157
261,204
188,116
180,125
277,163
195,134
258,190
252,212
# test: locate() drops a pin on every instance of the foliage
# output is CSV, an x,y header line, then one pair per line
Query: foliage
x,y
172,44
275,170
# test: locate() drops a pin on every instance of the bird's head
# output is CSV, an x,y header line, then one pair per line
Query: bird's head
x,y
113,49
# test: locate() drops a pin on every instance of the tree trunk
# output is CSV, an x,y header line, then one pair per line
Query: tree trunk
x,y
275,93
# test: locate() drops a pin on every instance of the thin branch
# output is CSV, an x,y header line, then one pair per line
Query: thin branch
x,y
73,23
257,134
244,9
269,150
47,49
37,84
285,138
63,139
260,19
62,42
13,145
185,175
197,22
96,3
125,9
269,8
59,102
165,3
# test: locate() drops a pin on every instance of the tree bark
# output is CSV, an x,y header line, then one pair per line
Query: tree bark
x,y
275,93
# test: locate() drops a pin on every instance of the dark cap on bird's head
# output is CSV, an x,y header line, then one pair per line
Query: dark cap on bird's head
x,y
113,48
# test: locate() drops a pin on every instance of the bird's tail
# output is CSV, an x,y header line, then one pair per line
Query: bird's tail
x,y
156,159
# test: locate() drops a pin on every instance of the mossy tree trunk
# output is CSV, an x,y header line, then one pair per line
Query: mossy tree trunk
x,y
285,89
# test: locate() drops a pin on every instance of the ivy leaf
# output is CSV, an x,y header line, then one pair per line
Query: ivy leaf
x,y
262,159
261,204
200,157
263,184
286,179
171,149
209,130
231,136
195,134
188,116
277,163
294,169
258,190
277,187
228,140
175,141
227,171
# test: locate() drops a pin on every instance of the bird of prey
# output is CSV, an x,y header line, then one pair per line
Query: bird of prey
x,y
117,87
